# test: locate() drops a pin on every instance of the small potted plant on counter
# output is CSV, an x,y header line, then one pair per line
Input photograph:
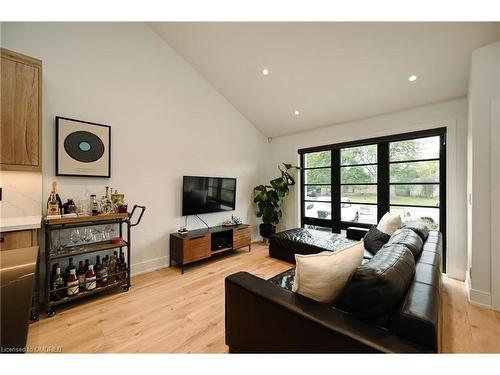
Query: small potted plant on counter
x,y
269,199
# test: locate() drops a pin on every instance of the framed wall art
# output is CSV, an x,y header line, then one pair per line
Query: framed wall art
x,y
82,148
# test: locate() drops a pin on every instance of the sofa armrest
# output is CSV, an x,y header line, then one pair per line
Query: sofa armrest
x,y
264,318
356,233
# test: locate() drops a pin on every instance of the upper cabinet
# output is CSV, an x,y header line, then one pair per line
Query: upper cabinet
x,y
21,112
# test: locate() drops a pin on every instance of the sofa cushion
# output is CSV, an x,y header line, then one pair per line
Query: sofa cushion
x,y
418,319
322,276
408,238
375,239
389,223
419,228
378,287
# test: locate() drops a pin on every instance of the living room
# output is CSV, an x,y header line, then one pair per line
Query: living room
x,y
250,187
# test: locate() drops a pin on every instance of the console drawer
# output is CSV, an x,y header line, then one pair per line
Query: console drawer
x,y
195,248
241,237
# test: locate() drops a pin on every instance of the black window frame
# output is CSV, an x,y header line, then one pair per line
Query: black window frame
x,y
383,182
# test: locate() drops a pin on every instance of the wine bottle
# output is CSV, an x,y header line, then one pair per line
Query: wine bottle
x,y
103,275
123,266
112,268
72,283
58,283
98,269
81,275
69,268
90,278
58,198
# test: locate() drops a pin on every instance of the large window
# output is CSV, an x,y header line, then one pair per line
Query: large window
x,y
356,183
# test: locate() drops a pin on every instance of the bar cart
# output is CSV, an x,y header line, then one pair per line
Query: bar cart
x,y
55,252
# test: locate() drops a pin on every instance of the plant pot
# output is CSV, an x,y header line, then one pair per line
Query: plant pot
x,y
266,230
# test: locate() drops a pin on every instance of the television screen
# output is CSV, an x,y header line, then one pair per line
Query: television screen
x,y
203,195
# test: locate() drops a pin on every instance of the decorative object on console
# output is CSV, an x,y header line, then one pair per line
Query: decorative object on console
x,y
375,239
323,276
82,148
69,207
119,204
389,223
182,230
234,221
269,199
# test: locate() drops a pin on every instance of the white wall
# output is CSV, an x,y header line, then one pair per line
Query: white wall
x,y
166,120
452,114
483,177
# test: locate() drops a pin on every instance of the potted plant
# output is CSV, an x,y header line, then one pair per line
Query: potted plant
x,y
269,199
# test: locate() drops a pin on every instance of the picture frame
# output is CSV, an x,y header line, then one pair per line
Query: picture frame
x,y
83,148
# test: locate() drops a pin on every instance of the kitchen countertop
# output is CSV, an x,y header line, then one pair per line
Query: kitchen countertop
x,y
9,224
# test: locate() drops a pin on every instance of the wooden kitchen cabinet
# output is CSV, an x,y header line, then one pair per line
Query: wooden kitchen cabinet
x,y
21,112
18,239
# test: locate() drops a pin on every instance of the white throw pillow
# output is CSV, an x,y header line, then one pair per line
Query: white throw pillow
x,y
389,223
323,276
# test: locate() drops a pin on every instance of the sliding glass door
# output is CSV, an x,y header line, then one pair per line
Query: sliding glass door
x,y
356,183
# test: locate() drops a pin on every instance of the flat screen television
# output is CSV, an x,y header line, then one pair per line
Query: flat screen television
x,y
202,195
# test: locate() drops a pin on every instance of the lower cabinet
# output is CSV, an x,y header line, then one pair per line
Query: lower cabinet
x,y
18,239
204,243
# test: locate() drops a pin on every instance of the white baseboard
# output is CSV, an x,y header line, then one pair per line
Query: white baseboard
x,y
149,265
477,297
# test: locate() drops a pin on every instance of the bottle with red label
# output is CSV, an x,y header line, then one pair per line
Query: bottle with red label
x,y
72,283
90,278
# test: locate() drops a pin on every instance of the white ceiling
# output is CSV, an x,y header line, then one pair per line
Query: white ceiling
x,y
331,72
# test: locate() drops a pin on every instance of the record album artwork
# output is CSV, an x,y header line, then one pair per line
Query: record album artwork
x,y
82,148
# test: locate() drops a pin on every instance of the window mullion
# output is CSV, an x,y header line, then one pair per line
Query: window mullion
x,y
383,189
335,190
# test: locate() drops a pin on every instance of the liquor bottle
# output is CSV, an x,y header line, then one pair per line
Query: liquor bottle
x,y
81,275
104,271
69,268
94,206
53,274
112,267
72,283
58,198
123,266
98,269
90,282
52,205
58,283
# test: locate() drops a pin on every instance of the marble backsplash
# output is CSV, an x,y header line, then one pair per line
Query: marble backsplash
x,y
21,194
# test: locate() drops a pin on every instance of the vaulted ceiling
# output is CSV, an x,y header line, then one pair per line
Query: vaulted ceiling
x,y
329,72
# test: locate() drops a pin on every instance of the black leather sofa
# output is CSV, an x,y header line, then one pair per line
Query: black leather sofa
x,y
392,304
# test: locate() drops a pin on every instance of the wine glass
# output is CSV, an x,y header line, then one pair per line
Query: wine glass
x,y
87,235
97,235
109,232
55,240
75,236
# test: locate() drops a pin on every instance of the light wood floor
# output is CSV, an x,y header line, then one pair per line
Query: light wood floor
x,y
167,312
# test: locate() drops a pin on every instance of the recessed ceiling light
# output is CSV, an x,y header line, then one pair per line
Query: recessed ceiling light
x,y
265,71
296,113
412,78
